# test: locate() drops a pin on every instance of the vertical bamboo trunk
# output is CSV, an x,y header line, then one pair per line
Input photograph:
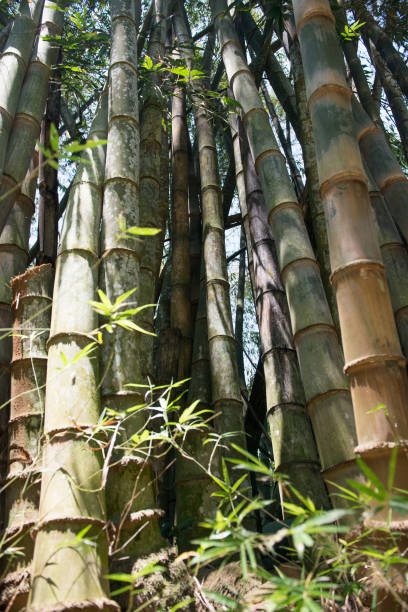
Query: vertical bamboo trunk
x,y
30,109
226,394
194,219
294,448
239,314
163,200
394,95
13,261
383,44
151,119
130,504
72,496
13,66
32,293
48,180
180,266
374,363
315,338
395,258
383,165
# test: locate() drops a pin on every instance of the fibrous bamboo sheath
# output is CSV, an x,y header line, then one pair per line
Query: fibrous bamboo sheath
x,y
226,394
32,293
326,389
374,362
151,118
294,448
395,257
30,109
13,261
180,265
13,66
383,165
69,575
131,497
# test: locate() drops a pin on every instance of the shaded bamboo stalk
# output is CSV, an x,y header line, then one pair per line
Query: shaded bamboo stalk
x,y
30,109
73,499
48,179
180,267
239,314
383,44
13,66
327,394
383,166
194,220
32,293
226,393
13,261
131,502
151,119
294,447
374,362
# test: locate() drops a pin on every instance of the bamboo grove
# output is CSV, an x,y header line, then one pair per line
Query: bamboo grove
x,y
152,155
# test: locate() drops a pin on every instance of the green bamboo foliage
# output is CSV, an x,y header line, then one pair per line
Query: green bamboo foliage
x,y
13,66
13,261
395,258
374,363
180,266
69,573
315,338
151,214
131,498
32,293
294,448
30,109
226,394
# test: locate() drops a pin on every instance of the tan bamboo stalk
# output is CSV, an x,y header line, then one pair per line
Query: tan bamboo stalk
x,y
151,120
194,219
73,499
294,447
327,394
180,267
395,259
226,394
32,293
130,504
383,165
163,207
13,261
374,362
30,109
13,66
239,314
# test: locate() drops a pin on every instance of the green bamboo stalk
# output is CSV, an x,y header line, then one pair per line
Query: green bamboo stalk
x,y
315,338
131,501
30,109
150,150
13,66
294,448
226,394
13,261
374,362
239,314
194,219
32,293
180,267
383,165
69,574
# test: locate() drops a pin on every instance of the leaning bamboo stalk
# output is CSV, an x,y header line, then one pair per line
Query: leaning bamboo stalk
x,y
13,66
13,261
32,292
374,362
130,504
30,109
73,499
226,398
315,338
383,165
294,448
